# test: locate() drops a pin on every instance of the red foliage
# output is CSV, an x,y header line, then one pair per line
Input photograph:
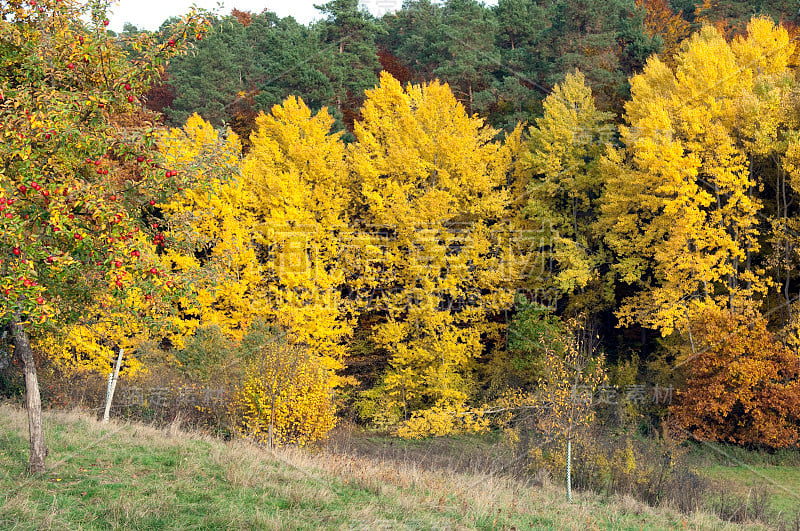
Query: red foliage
x,y
160,97
394,66
245,18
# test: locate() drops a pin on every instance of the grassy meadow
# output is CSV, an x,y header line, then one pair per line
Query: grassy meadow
x,y
127,475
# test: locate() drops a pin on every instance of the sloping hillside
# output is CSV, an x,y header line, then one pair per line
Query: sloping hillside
x,y
132,476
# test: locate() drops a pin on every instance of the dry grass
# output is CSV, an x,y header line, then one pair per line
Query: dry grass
x,y
121,475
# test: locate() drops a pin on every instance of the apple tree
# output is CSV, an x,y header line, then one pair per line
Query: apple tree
x,y
78,173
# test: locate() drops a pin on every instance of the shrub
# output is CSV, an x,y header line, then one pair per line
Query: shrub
x,y
649,470
286,395
743,387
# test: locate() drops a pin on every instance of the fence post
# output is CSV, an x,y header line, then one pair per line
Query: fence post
x,y
112,384
569,471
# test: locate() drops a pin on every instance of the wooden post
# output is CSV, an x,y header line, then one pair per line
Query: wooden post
x,y
112,385
569,471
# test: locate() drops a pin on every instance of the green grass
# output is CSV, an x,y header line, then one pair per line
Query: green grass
x,y
742,472
782,484
123,475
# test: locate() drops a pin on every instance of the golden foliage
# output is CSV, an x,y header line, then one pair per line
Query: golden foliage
x,y
264,251
294,188
439,421
286,396
563,184
217,249
679,206
430,210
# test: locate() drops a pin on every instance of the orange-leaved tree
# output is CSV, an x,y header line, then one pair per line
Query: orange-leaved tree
x,y
662,21
742,387
75,184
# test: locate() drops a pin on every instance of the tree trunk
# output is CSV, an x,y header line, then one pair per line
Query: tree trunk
x,y
271,432
33,401
470,97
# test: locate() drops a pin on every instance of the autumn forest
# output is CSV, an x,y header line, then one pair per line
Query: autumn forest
x,y
541,220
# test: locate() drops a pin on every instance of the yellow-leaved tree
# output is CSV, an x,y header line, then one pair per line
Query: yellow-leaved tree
x,y
697,209
563,183
680,205
185,231
285,397
294,183
429,211
267,228
221,250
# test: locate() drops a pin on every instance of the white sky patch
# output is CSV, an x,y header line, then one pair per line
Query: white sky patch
x,y
149,14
